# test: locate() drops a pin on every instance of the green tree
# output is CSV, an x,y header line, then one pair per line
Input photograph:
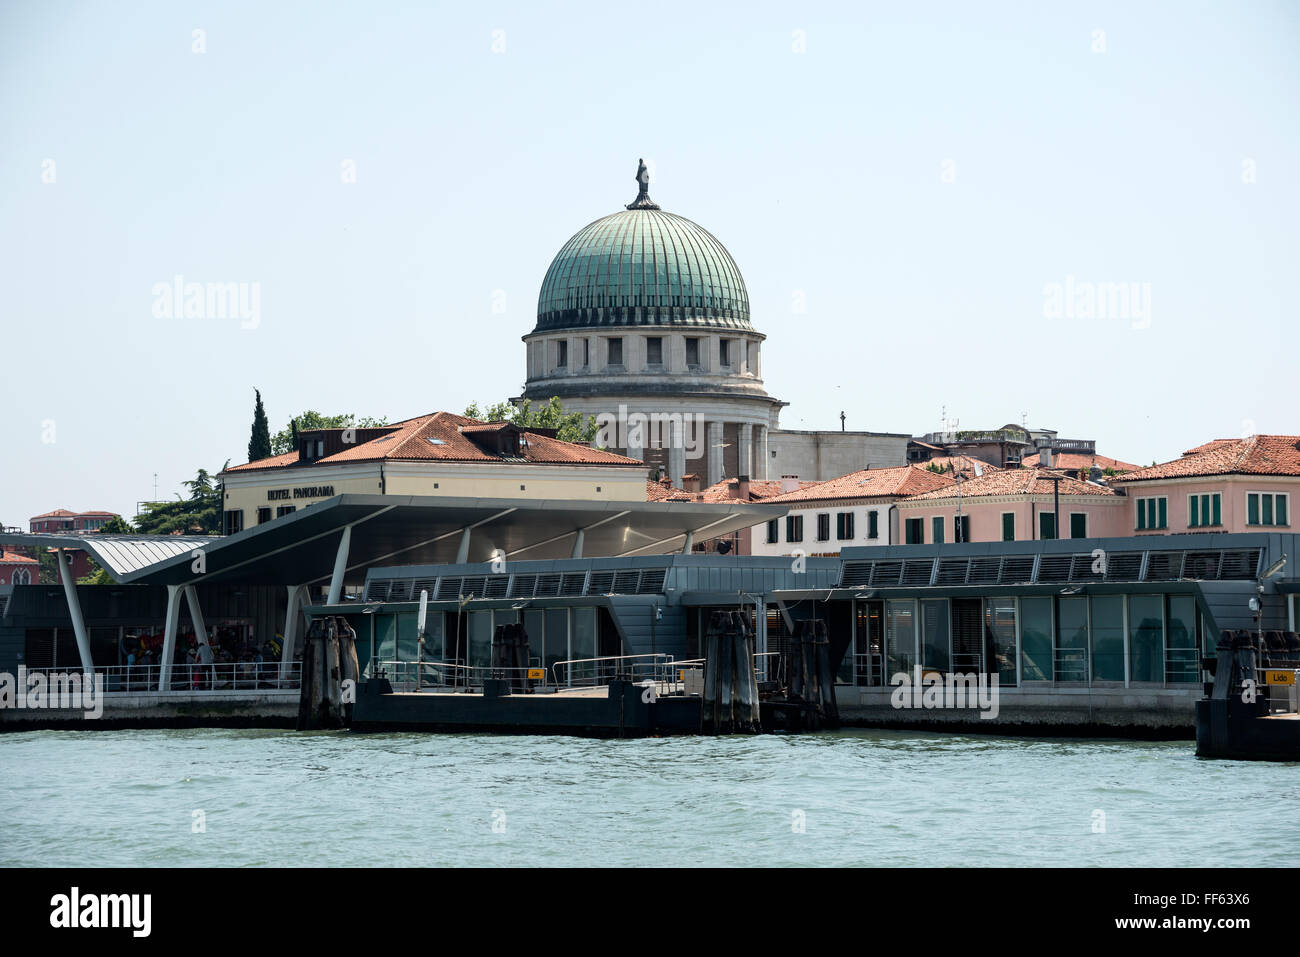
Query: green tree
x,y
117,525
200,514
259,442
286,440
569,426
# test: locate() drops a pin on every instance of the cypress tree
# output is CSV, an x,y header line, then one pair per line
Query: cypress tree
x,y
259,443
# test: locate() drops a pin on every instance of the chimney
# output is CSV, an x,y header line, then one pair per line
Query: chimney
x,y
691,482
789,483
741,487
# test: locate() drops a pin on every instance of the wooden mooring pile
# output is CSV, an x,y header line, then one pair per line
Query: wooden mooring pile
x,y
330,675
730,696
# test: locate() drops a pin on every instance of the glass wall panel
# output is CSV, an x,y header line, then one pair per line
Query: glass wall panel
x,y
1181,657
584,639
870,642
1000,632
534,625
406,636
557,640
1036,639
385,638
967,636
1072,639
934,635
1108,638
1146,635
480,639
900,638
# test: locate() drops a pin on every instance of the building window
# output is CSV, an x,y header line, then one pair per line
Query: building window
x,y
561,354
234,521
693,352
1267,508
823,527
615,357
1204,510
936,528
794,528
844,526
22,577
914,531
724,353
773,531
586,353
1078,525
1008,526
1046,525
1152,513
284,510
961,528
654,351
263,515
873,524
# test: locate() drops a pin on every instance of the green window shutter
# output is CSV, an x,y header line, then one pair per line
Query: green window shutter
x,y
1194,505
1009,527
1281,510
873,525
1142,514
1216,501
1164,515
937,527
1252,509
1266,512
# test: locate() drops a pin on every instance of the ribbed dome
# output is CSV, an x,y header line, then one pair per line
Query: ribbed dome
x,y
643,266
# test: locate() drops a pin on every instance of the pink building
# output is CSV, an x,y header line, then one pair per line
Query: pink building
x,y
1012,505
1227,485
18,569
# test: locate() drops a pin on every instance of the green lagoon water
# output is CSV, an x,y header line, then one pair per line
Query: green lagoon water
x,y
892,798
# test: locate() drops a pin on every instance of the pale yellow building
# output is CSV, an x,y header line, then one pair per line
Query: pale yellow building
x,y
436,454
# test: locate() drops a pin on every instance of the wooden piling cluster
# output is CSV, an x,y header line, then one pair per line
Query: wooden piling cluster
x,y
510,656
330,675
808,667
730,700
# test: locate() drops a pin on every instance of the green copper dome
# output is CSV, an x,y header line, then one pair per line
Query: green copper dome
x,y
643,266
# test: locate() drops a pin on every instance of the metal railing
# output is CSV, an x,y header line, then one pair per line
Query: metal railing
x,y
219,676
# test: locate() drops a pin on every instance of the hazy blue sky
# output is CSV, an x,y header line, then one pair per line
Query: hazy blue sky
x,y
822,171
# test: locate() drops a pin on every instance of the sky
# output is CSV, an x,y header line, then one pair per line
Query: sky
x,y
922,199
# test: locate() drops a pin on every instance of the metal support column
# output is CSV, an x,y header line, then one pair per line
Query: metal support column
x,y
290,633
340,567
169,636
74,609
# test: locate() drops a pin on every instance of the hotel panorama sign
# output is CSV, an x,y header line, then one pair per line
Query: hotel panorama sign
x,y
307,491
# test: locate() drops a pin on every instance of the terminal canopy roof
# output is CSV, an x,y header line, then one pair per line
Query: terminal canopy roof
x,y
300,548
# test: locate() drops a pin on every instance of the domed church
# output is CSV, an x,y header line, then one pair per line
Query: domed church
x,y
643,321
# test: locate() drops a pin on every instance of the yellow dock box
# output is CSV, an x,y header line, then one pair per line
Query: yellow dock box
x,y
1278,676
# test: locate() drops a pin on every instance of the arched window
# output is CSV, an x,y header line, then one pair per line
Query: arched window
x,y
22,577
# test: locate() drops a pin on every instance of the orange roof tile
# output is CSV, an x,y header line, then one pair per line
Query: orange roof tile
x,y
901,481
16,558
438,437
1021,481
1074,461
1257,455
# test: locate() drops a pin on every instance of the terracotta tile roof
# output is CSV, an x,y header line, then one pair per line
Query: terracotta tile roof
x,y
901,481
1074,461
1257,455
442,437
57,513
1021,481
965,464
760,490
16,558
